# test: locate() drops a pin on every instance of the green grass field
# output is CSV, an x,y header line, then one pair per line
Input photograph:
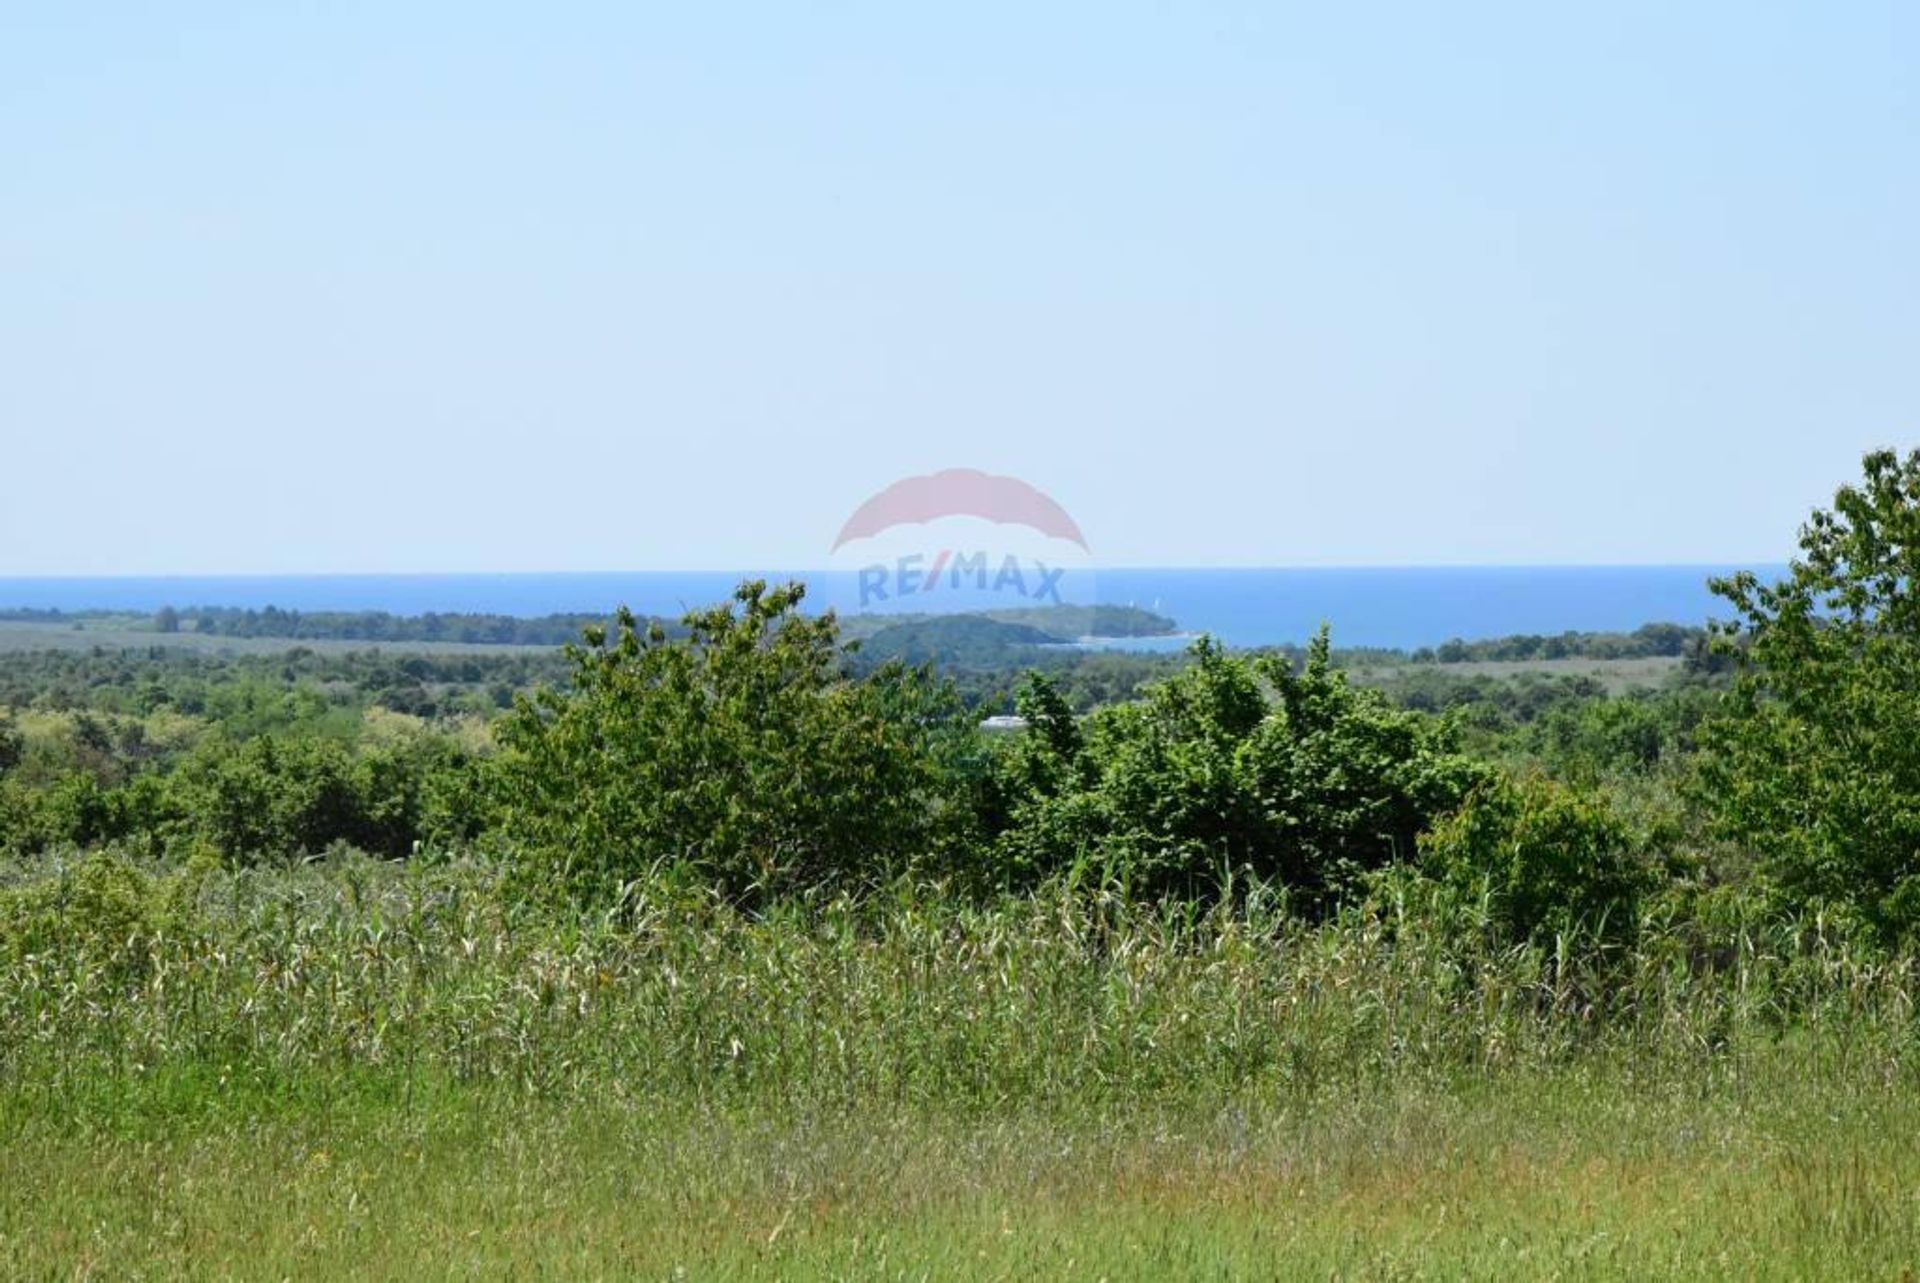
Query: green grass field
x,y
356,1071
1574,1175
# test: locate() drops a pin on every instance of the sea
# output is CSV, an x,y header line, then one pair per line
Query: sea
x,y
1403,607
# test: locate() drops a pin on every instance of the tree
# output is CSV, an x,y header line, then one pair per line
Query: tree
x,y
1233,763
1815,762
272,796
166,620
741,753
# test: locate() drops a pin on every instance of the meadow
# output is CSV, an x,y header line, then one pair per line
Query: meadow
x,y
359,1069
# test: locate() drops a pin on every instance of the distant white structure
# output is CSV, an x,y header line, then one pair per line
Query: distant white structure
x,y
1004,722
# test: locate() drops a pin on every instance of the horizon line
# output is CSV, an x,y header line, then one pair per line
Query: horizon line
x,y
754,572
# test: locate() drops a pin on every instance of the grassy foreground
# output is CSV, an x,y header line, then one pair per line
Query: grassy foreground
x,y
358,1071
1571,1176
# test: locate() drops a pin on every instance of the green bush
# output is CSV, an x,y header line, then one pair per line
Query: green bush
x,y
18,830
741,754
272,797
280,797
1233,765
13,745
1542,859
102,908
422,789
1627,735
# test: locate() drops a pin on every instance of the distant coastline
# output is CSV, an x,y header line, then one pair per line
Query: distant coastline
x,y
1403,607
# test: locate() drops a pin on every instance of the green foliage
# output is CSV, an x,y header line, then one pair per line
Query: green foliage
x,y
13,745
909,995
1601,737
260,705
272,797
1598,739
17,827
97,907
265,798
955,641
79,812
378,625
1541,860
1648,641
1815,763
741,754
1519,699
252,694
100,913
1233,766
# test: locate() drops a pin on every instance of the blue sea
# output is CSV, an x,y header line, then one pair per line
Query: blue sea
x,y
1393,606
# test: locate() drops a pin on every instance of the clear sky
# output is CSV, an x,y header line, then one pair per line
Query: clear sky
x,y
309,287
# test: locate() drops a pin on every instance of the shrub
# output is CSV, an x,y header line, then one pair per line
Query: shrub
x,y
1543,859
97,909
741,753
421,788
1231,765
1610,736
271,797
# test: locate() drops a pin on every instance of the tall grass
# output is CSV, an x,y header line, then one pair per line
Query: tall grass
x,y
357,1068
254,983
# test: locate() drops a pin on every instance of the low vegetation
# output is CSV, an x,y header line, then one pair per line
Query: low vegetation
x,y
722,948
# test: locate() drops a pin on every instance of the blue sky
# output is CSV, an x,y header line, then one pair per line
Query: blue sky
x,y
291,288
